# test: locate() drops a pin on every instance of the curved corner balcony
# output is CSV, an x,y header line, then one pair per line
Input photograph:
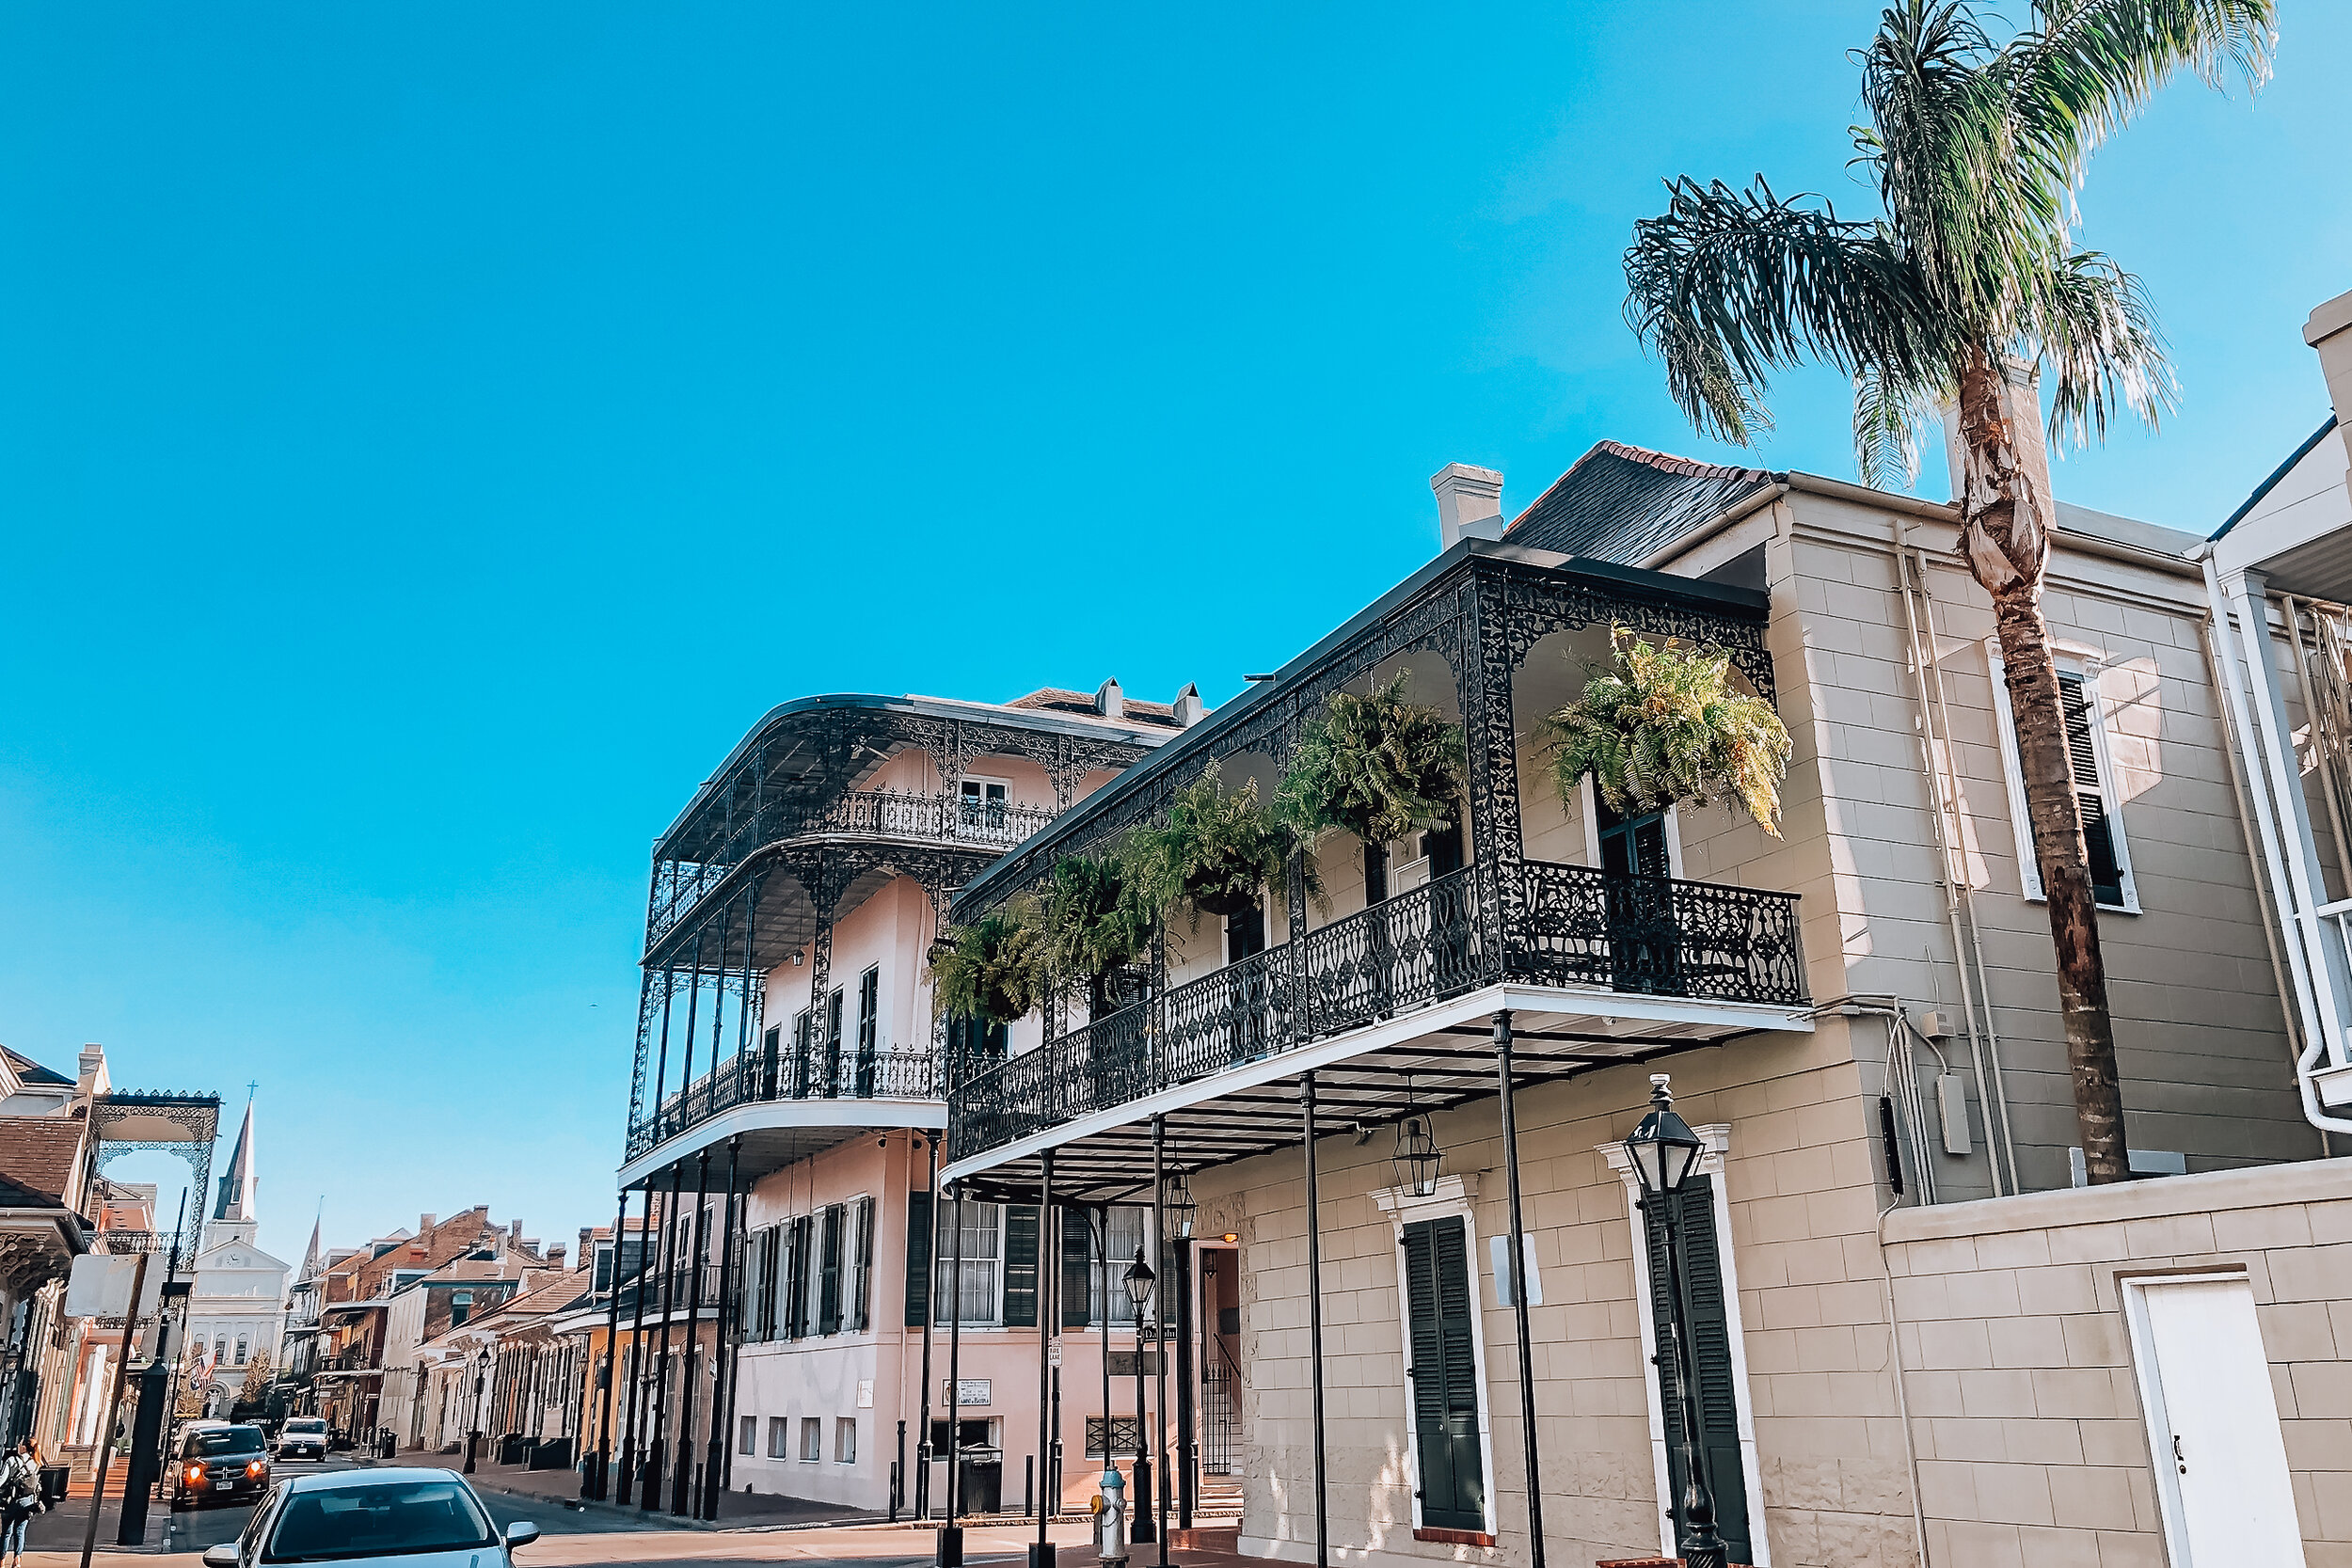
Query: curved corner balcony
x,y
789,1104
1601,967
860,817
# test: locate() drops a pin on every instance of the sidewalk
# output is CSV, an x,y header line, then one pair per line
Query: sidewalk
x,y
736,1510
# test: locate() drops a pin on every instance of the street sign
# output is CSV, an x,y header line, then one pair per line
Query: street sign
x,y
1052,1351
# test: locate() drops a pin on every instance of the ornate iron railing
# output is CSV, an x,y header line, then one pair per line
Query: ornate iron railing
x,y
1575,927
872,814
816,1072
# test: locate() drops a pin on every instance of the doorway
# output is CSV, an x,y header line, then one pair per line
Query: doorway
x,y
1220,1362
1645,949
2222,1485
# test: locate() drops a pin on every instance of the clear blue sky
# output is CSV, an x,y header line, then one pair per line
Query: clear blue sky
x,y
431,433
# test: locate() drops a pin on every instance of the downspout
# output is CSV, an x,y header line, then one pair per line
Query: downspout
x,y
1902,1397
2329,784
1964,945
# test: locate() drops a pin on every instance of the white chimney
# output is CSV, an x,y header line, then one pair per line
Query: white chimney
x,y
1470,503
2329,331
1109,700
1190,709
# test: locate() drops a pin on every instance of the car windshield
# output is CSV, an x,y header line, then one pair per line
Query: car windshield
x,y
316,1424
383,1519
203,1445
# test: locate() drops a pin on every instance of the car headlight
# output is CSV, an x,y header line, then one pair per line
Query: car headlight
x,y
196,1474
256,1467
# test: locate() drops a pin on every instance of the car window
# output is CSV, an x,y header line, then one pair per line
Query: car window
x,y
203,1445
315,1424
380,1520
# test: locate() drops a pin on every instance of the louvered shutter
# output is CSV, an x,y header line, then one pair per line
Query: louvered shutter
x,y
828,1274
1441,1321
919,1257
2082,757
1078,1272
1709,1348
1021,1265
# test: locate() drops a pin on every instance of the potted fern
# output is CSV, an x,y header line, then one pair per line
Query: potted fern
x,y
1216,849
1375,765
1095,926
1664,724
994,970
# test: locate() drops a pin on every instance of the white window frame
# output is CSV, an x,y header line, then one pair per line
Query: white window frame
x,y
1717,1137
2090,668
844,1435
944,1281
1590,816
1455,1197
779,1438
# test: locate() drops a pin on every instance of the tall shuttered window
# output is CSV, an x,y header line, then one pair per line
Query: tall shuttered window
x,y
983,1233
1441,1323
799,1256
1021,1265
828,1271
861,1264
2092,771
919,1257
1710,1356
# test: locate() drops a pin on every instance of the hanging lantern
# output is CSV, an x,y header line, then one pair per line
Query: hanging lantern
x,y
1417,1158
1139,1282
1663,1150
1178,1206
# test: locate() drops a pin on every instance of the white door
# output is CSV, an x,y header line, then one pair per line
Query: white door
x,y
2213,1426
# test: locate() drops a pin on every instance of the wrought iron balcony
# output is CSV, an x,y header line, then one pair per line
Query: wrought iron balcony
x,y
1571,926
126,1244
991,826
819,1072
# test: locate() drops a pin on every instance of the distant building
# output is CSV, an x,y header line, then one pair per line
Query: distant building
x,y
237,1305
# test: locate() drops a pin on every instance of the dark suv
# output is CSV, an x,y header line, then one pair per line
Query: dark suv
x,y
219,1460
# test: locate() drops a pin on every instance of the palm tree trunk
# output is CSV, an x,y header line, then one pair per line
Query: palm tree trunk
x,y
2005,504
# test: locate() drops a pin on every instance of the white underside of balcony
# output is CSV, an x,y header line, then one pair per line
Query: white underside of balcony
x,y
778,1132
1643,1022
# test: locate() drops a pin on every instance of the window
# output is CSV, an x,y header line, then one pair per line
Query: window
x,y
779,1438
2093,773
750,1437
762,1258
1126,1226
1123,1437
1245,933
812,1439
1441,1326
828,1271
918,1294
221,1348
241,1348
797,1284
983,803
869,1012
982,1233
845,1440
860,1264
1375,874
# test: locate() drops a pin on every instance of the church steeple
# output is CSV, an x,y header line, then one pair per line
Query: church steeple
x,y
237,1198
314,1259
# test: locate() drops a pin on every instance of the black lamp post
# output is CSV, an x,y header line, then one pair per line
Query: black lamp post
x,y
481,1376
1664,1153
1140,1280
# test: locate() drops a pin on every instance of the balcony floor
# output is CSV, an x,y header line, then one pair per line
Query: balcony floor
x,y
777,1133
1253,1107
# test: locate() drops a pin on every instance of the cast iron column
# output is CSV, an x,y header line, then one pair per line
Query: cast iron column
x,y
930,1315
723,1381
682,1477
1519,1289
1159,1316
1315,1323
951,1533
659,1411
1042,1550
593,1484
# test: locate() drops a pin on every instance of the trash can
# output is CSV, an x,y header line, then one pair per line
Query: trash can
x,y
53,1480
983,1480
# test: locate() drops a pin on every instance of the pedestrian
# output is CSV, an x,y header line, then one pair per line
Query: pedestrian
x,y
20,1500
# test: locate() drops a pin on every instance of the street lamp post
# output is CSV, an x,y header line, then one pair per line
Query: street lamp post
x,y
1140,1280
481,1377
1664,1154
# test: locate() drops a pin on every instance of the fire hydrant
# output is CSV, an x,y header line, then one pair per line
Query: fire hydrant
x,y
1110,1517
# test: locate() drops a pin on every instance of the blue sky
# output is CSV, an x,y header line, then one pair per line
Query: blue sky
x,y
430,435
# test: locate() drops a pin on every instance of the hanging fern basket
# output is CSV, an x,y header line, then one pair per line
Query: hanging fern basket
x,y
1375,765
1664,724
994,970
1217,850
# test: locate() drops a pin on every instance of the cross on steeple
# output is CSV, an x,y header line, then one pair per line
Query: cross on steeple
x,y
250,1084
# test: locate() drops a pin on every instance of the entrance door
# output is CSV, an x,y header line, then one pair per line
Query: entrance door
x,y
1440,1319
1643,948
2213,1424
1220,1362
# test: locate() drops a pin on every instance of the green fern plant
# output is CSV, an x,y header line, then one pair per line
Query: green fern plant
x,y
1374,765
1664,725
1095,924
1215,851
994,970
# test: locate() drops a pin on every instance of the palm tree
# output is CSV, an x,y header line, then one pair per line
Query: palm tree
x,y
1964,290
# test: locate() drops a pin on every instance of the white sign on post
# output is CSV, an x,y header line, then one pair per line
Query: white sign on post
x,y
1499,1251
100,1287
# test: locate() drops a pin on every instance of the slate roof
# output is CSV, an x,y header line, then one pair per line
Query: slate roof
x,y
41,1152
31,1071
1053,699
1625,504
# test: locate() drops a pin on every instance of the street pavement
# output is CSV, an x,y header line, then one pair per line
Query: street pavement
x,y
579,1537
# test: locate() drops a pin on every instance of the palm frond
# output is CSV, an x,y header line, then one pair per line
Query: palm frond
x,y
2090,324
1888,415
1726,285
2088,66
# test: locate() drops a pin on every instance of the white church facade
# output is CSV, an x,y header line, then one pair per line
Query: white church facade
x,y
237,1301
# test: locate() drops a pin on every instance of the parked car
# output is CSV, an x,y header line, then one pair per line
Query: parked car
x,y
303,1437
428,1519
219,1459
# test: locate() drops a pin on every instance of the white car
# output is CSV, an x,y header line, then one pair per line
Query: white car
x,y
303,1437
430,1518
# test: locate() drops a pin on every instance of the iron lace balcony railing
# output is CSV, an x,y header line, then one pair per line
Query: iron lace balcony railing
x,y
1578,927
818,1072
885,813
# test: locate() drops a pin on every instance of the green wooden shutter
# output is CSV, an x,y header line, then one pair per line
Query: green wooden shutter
x,y
919,1257
1440,1322
1710,1347
1077,1270
2106,871
828,1274
1021,1265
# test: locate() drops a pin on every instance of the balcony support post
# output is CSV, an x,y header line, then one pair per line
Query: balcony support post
x,y
1495,847
594,1485
930,1315
650,1484
824,895
1048,1276
1518,1287
686,1068
636,1335
1159,1339
698,1241
716,1468
951,1533
1314,1322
